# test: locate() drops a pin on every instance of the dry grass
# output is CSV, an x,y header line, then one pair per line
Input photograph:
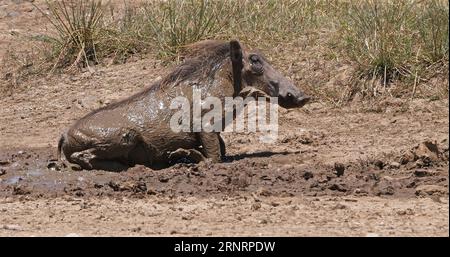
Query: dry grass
x,y
395,40
388,42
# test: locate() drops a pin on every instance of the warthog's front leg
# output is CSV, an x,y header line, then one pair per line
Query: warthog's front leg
x,y
191,154
223,150
212,146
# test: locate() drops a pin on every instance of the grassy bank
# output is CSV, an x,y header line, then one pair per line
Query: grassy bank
x,y
385,41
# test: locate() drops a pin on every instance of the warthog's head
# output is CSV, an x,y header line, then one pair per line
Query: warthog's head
x,y
251,69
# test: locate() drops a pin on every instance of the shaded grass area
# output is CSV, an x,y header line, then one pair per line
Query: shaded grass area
x,y
386,42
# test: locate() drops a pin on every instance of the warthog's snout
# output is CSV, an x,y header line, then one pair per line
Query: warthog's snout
x,y
292,98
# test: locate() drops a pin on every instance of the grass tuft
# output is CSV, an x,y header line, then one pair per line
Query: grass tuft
x,y
78,24
394,39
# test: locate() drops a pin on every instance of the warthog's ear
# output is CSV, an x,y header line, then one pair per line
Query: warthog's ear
x,y
237,63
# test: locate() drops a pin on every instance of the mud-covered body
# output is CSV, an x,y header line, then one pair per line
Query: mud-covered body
x,y
134,131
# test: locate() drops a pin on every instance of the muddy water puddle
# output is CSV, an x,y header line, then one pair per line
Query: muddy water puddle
x,y
25,173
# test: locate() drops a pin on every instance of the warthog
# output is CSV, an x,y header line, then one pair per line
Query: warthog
x,y
136,130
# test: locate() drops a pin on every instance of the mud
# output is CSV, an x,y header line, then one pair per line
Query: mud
x,y
31,173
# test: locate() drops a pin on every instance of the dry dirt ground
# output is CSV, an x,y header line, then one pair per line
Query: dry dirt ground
x,y
366,169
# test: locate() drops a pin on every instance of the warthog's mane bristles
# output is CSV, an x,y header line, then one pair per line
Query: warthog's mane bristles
x,y
200,60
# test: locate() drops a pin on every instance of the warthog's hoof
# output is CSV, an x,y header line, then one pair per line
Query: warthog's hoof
x,y
55,165
186,155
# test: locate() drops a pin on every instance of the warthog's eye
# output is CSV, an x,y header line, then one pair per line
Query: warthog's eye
x,y
256,64
254,58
